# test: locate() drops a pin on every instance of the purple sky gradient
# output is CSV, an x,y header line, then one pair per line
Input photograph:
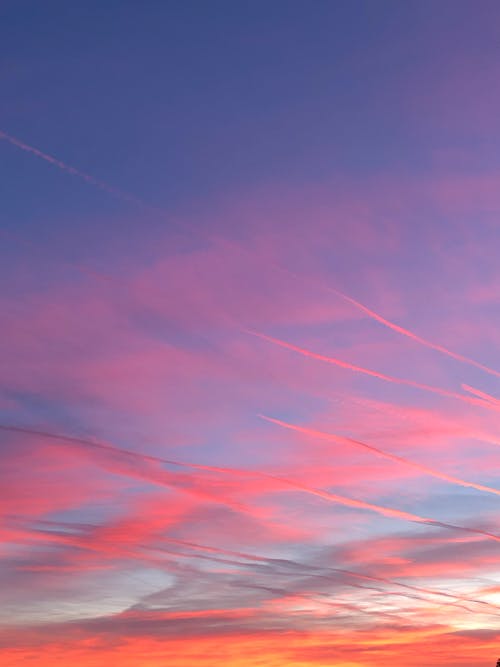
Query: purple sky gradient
x,y
217,212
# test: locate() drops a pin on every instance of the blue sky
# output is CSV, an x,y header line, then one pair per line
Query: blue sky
x,y
217,212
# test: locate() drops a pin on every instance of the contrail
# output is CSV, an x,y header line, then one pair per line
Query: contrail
x,y
116,192
379,318
120,194
380,452
481,394
238,563
311,570
365,371
346,501
91,180
386,511
314,569
152,475
413,336
287,593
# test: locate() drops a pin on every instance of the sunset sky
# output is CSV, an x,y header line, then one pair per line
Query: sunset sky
x,y
250,315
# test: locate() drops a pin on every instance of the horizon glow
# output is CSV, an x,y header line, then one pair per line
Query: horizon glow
x,y
249,390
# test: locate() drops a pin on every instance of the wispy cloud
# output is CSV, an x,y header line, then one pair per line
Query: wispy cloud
x,y
380,452
365,371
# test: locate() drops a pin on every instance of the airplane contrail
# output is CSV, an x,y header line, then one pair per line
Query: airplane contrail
x,y
380,452
409,334
315,282
456,601
116,192
152,475
312,568
238,563
91,180
481,394
365,371
346,501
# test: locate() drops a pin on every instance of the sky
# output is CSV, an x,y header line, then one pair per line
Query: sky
x,y
249,300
